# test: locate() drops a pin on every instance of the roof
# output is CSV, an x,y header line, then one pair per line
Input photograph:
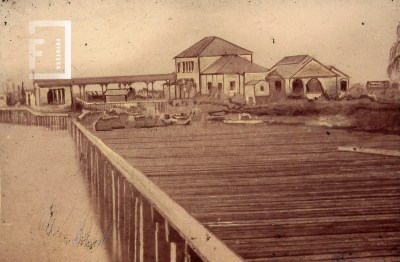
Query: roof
x,y
233,64
292,65
44,83
213,46
253,82
273,74
289,60
116,92
335,70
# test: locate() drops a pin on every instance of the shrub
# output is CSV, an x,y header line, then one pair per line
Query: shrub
x,y
238,99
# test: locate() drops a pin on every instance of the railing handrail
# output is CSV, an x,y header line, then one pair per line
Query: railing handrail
x,y
210,248
35,113
115,103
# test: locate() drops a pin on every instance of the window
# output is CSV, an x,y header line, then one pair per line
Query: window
x,y
178,67
187,67
232,85
262,88
209,85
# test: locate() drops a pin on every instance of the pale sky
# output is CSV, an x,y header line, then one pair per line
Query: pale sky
x,y
142,37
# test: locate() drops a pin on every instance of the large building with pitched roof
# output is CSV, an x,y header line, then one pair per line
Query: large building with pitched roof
x,y
303,74
215,65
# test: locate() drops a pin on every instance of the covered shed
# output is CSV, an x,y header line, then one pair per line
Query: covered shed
x,y
117,95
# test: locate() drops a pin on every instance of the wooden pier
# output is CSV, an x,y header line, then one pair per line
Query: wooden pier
x,y
276,192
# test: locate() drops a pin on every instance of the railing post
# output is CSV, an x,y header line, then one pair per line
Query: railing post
x,y
191,256
122,218
177,244
147,245
162,250
114,214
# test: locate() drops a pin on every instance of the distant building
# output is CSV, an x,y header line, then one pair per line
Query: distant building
x,y
117,95
303,74
215,66
377,85
54,94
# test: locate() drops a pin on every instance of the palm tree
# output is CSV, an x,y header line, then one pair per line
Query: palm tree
x,y
393,69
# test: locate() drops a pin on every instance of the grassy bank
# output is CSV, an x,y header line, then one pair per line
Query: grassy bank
x,y
361,113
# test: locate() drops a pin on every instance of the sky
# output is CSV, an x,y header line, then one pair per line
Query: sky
x,y
125,37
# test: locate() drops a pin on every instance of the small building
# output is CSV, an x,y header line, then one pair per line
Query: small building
x,y
53,94
304,74
377,85
117,95
257,92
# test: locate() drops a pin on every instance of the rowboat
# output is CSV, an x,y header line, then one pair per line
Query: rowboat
x,y
108,123
177,119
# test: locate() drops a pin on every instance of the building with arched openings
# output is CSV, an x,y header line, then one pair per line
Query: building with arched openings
x,y
303,74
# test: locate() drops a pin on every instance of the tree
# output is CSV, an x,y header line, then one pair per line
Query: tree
x,y
23,96
393,69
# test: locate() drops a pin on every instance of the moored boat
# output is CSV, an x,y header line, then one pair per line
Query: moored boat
x,y
243,119
108,123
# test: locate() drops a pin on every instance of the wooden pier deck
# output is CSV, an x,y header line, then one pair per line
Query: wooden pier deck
x,y
276,192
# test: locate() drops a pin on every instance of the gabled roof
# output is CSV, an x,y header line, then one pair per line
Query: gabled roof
x,y
116,92
337,71
233,64
213,46
292,65
273,74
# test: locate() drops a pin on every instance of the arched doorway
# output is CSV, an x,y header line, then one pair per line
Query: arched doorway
x,y
314,87
297,87
343,86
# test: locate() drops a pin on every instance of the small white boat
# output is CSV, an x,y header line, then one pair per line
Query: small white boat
x,y
256,121
243,119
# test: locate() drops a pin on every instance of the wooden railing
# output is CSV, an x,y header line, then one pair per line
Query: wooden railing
x,y
159,106
26,116
142,222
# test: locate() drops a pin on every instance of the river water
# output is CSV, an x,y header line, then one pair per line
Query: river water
x,y
45,209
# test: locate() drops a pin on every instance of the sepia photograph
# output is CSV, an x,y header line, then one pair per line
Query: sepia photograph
x,y
199,131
